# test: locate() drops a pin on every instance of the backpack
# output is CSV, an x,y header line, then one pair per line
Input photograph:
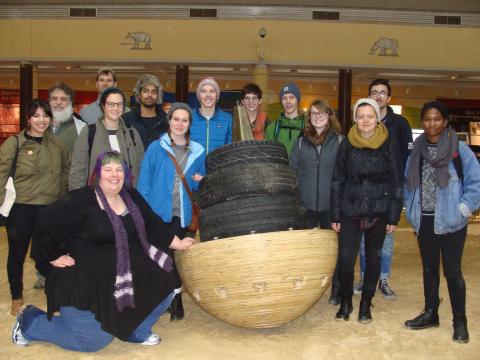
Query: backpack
x,y
278,126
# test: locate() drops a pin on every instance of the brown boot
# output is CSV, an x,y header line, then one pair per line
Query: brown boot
x,y
16,305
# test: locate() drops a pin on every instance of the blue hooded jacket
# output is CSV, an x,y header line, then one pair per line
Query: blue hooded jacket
x,y
213,133
157,175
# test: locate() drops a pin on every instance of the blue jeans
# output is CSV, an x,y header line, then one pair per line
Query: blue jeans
x,y
78,330
386,257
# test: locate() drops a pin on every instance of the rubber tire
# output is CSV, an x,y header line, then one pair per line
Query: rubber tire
x,y
257,214
247,179
246,152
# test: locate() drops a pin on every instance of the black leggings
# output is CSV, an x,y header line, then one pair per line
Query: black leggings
x,y
180,232
450,247
20,224
349,242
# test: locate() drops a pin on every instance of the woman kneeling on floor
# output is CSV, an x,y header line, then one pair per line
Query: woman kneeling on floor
x,y
441,192
110,274
365,200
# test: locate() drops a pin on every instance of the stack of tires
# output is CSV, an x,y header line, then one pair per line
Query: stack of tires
x,y
249,188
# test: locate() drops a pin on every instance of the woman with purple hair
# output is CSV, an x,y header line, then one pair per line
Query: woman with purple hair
x,y
110,273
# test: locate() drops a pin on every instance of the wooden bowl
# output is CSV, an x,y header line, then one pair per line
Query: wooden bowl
x,y
259,280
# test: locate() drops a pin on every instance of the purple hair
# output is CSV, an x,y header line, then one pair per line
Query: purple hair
x,y
108,157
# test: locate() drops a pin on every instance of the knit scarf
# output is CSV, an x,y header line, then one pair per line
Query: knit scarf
x,y
447,146
374,142
123,287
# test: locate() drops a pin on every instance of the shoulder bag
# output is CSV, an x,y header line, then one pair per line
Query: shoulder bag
x,y
10,193
195,224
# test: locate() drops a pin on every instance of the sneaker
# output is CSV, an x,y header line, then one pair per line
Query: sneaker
x,y
387,292
358,287
17,336
153,339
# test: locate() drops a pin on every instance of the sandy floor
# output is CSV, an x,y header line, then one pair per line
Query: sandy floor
x,y
316,335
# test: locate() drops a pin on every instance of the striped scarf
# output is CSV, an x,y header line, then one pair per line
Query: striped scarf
x,y
123,287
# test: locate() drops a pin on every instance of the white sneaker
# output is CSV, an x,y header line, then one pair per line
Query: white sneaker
x,y
153,339
17,336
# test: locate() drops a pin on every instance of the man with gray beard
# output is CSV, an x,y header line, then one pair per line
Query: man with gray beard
x,y
65,124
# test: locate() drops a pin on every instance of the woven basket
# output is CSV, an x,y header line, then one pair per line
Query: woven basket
x,y
259,280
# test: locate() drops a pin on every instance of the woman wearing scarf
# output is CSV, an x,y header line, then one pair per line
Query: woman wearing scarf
x,y
111,275
438,203
365,200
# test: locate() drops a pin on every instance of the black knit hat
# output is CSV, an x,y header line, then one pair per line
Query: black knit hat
x,y
109,91
440,106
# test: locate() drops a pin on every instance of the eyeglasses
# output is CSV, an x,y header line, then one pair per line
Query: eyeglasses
x,y
250,98
318,114
381,94
59,98
111,104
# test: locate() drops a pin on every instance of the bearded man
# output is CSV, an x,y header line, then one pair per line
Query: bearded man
x,y
65,123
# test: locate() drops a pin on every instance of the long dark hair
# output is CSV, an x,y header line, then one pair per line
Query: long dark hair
x,y
34,105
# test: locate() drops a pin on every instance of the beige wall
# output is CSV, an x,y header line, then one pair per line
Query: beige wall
x,y
236,41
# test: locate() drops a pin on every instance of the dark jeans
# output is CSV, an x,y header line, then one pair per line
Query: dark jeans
x,y
349,241
180,232
20,224
450,247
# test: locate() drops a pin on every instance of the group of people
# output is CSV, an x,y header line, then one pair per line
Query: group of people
x,y
105,197
357,185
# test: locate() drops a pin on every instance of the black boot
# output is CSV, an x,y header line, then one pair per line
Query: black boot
x,y
364,313
428,318
460,330
176,308
346,308
334,296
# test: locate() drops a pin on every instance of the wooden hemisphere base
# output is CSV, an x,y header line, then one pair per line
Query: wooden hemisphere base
x,y
259,280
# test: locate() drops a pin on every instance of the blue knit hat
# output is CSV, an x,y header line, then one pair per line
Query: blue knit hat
x,y
291,88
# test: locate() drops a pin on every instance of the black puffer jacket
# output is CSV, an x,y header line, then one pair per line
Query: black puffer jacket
x,y
367,183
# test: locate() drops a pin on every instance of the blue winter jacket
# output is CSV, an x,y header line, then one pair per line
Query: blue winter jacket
x,y
448,218
157,175
213,133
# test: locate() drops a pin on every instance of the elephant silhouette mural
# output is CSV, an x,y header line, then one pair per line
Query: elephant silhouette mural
x,y
385,47
140,38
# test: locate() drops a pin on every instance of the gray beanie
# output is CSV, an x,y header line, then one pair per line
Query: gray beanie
x,y
370,102
180,105
148,79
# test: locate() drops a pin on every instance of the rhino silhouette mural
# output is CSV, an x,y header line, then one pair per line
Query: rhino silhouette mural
x,y
141,40
384,47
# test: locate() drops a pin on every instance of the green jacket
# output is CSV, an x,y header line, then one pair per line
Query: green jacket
x,y
285,130
41,175
130,147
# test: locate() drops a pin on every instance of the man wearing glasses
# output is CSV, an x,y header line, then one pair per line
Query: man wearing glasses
x,y
252,99
148,116
65,123
399,129
106,78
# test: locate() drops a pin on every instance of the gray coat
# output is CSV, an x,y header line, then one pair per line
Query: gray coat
x,y
82,166
314,167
